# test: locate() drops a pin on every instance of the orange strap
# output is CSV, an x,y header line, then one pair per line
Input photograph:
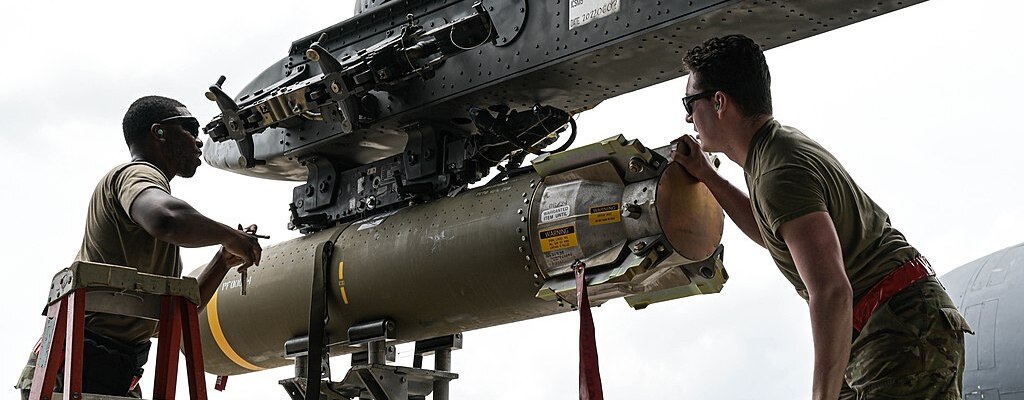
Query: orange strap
x,y
590,373
897,280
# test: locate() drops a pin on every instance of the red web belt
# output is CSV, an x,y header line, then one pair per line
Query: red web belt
x,y
897,280
590,373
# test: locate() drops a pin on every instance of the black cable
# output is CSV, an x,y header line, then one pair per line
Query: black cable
x,y
572,137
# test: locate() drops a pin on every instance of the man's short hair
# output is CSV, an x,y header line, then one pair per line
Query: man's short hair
x,y
734,64
145,112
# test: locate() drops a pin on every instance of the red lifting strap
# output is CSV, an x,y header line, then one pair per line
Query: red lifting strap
x,y
221,383
897,280
590,373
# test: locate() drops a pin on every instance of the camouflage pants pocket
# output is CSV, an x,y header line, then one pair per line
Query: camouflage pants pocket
x,y
911,348
24,384
936,385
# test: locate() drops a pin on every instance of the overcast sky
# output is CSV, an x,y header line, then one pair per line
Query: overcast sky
x,y
922,106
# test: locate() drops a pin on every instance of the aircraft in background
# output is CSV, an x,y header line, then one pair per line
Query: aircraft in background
x,y
994,354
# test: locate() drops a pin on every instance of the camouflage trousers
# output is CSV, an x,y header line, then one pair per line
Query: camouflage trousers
x,y
105,370
912,347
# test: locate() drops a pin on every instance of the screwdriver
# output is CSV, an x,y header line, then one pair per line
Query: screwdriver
x,y
245,271
245,279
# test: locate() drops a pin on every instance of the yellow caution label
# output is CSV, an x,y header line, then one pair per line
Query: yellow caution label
x,y
608,214
558,238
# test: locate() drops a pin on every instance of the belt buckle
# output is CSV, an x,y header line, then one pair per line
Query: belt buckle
x,y
927,265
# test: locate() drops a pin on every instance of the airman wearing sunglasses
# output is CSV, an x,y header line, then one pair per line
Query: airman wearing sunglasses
x,y
882,324
133,220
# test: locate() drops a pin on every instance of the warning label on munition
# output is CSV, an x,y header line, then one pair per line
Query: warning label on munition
x,y
558,238
560,245
608,214
583,11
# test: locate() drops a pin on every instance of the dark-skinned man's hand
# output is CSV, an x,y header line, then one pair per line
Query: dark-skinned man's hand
x,y
242,251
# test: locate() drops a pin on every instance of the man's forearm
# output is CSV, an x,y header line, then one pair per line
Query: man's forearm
x,y
737,205
831,327
210,278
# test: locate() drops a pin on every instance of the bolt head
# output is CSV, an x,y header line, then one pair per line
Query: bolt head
x,y
635,166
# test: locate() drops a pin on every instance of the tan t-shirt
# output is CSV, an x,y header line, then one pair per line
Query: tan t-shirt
x,y
112,237
789,175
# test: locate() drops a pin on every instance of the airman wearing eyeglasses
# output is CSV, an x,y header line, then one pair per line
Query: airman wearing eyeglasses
x,y
882,324
133,220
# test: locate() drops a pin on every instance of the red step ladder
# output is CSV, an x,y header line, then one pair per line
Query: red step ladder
x,y
123,291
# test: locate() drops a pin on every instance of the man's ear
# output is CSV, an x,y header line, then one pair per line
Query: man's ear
x,y
157,132
720,102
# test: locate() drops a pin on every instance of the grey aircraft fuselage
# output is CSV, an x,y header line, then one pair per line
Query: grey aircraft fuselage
x,y
988,291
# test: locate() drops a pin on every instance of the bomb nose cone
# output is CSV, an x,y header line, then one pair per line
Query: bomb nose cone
x,y
689,215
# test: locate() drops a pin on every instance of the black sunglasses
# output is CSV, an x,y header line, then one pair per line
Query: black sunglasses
x,y
688,100
188,123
